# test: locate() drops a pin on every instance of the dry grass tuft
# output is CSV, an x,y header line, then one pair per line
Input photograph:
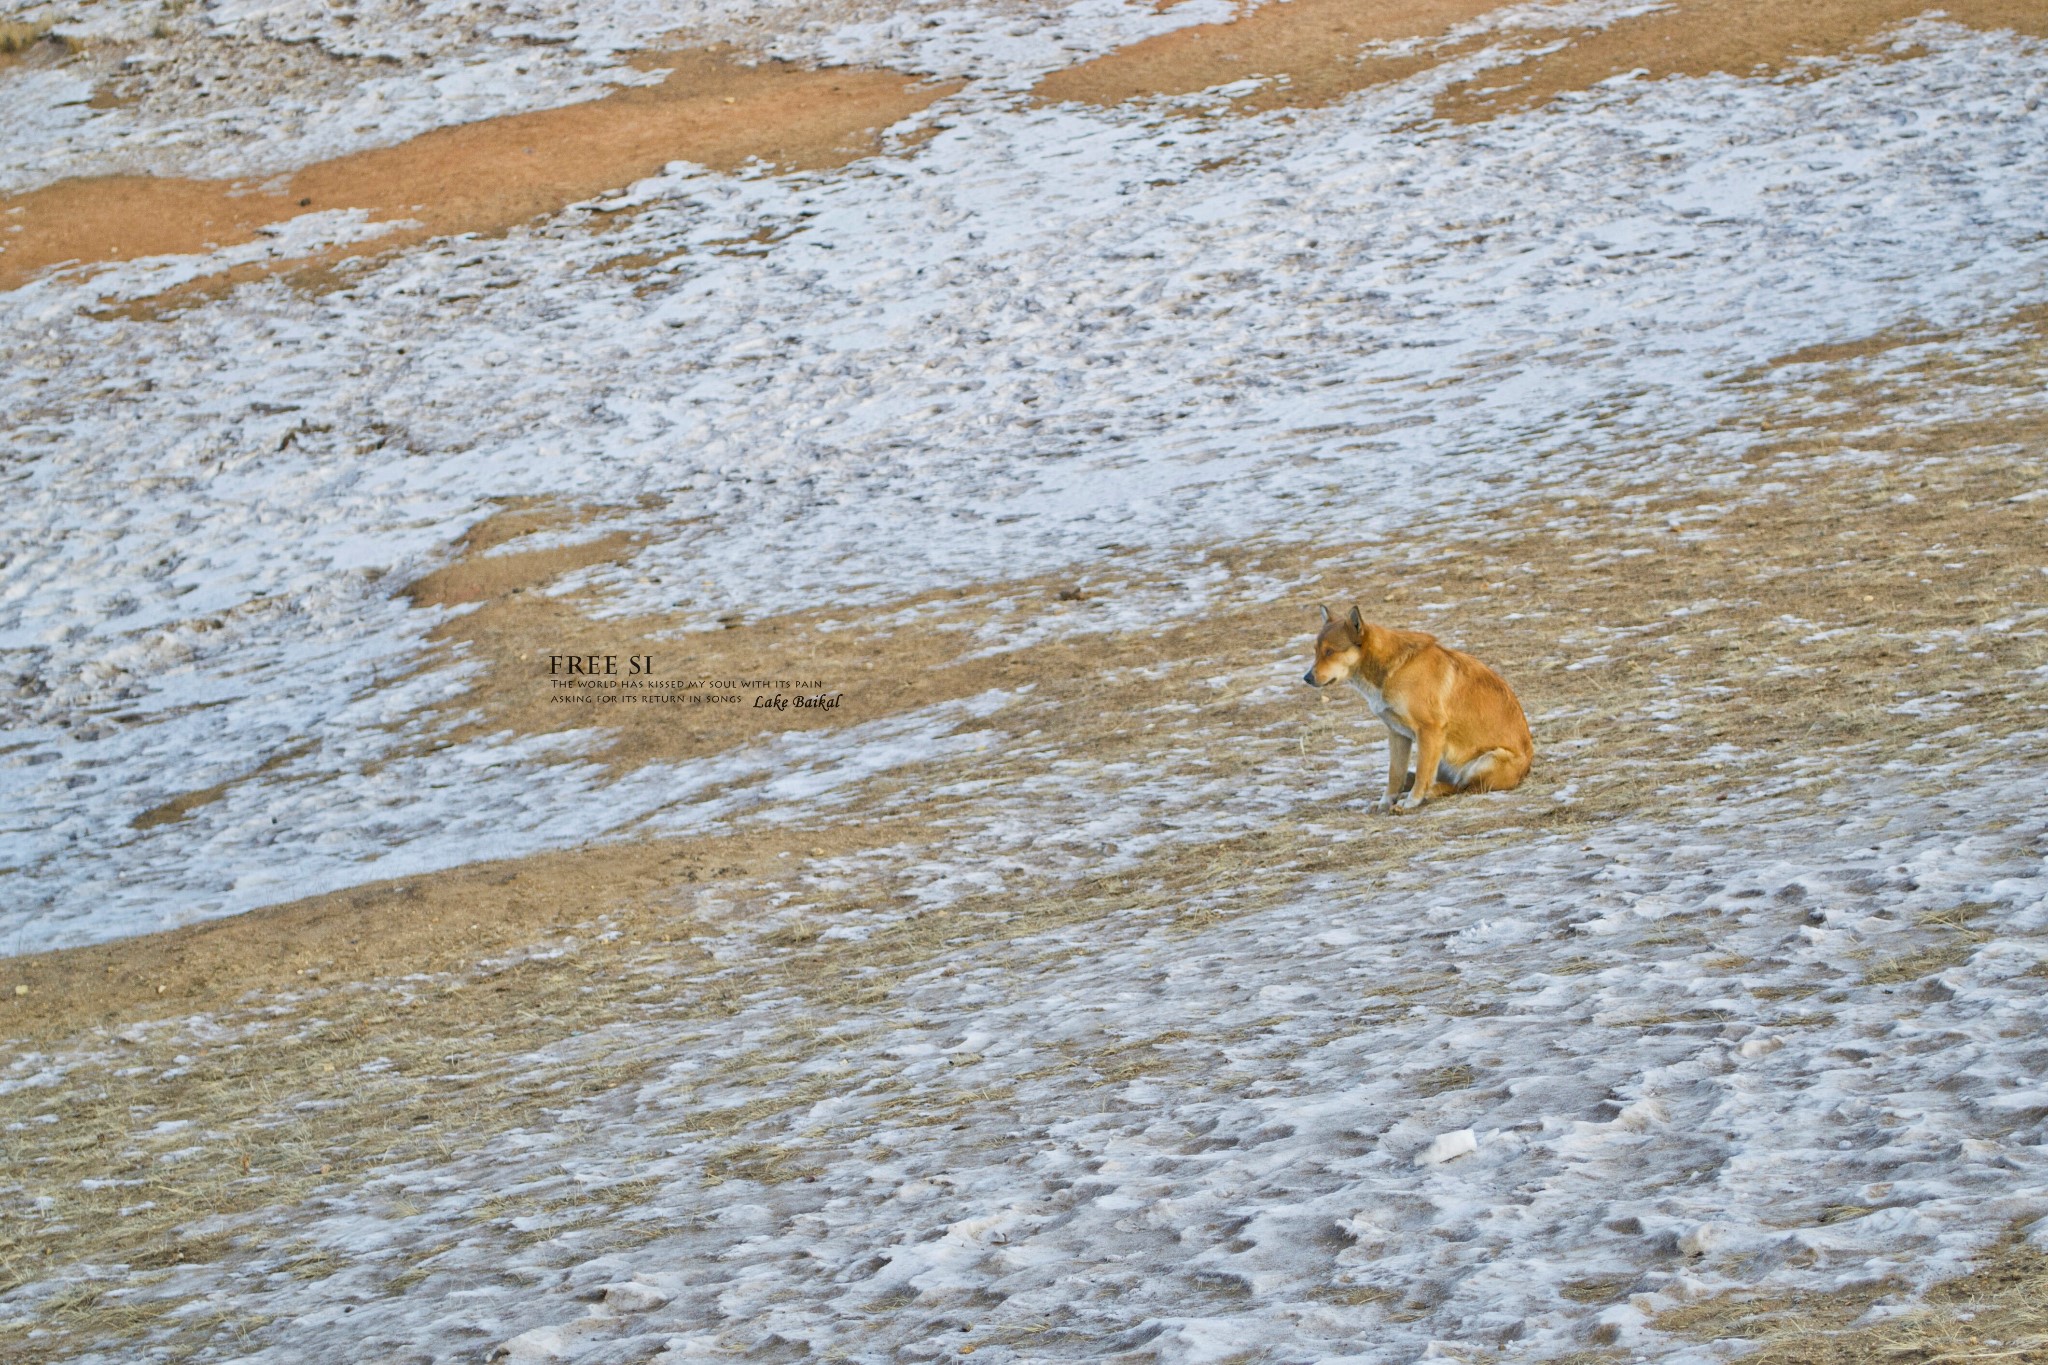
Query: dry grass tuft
x,y
1356,1295
17,37
1444,1079
1600,1288
1911,966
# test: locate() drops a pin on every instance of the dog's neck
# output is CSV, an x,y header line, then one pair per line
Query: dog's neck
x,y
1380,652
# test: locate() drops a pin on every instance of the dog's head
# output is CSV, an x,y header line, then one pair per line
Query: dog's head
x,y
1339,649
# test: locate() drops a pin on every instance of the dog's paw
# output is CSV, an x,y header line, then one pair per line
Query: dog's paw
x,y
1380,805
1409,803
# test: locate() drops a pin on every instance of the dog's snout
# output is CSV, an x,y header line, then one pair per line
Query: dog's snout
x,y
1310,678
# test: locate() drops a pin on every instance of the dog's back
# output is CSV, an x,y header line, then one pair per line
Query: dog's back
x,y
1486,714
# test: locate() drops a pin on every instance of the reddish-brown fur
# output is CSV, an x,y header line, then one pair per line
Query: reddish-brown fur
x,y
1462,722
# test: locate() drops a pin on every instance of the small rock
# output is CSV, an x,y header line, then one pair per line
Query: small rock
x,y
1702,1239
1686,1288
1640,1115
633,1297
543,1344
1760,1047
1449,1147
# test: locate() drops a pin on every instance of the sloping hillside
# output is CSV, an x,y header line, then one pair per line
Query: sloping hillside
x,y
963,934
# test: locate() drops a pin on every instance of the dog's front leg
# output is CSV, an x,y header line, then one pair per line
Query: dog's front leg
x,y
1397,770
1429,751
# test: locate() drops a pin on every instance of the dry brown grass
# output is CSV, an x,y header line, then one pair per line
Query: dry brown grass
x,y
1997,1312
1916,963
17,37
1444,1079
1601,1288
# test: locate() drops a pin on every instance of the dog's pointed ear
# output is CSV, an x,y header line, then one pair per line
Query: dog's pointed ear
x,y
1326,615
1357,620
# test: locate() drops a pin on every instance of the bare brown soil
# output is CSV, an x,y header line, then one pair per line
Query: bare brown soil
x,y
711,108
1314,44
1312,51
1703,37
876,671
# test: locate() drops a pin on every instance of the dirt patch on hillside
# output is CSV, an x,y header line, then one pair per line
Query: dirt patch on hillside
x,y
440,922
495,577
1705,37
1311,50
712,108
182,805
1314,52
525,631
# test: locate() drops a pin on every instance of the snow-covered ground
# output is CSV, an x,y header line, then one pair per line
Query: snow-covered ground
x,y
1378,1119
1050,329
